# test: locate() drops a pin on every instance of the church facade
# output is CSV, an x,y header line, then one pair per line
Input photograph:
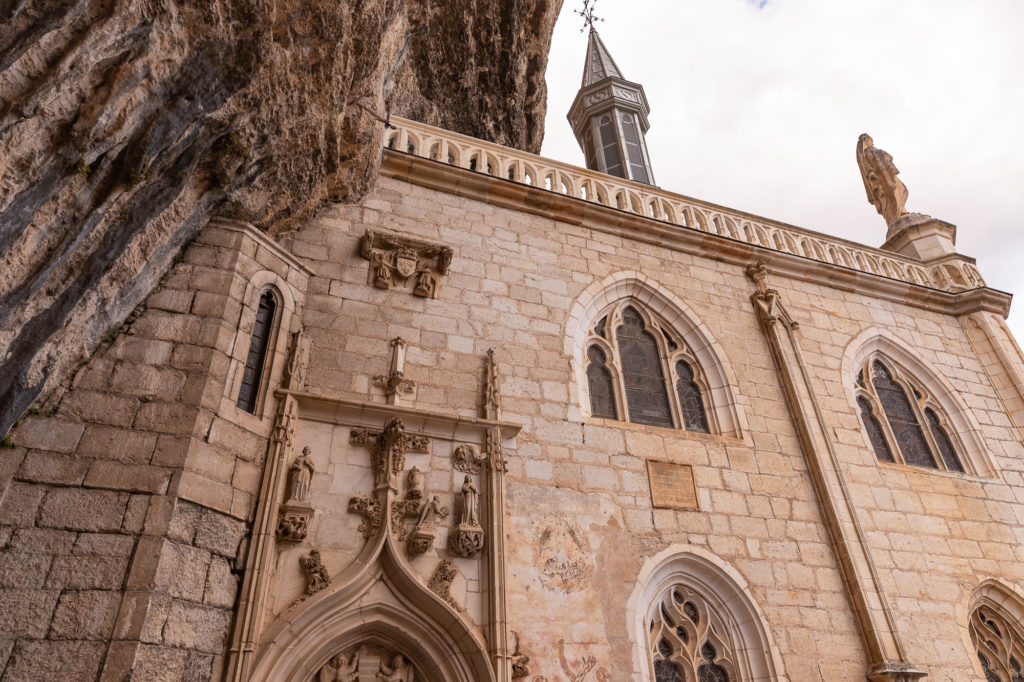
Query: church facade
x,y
507,418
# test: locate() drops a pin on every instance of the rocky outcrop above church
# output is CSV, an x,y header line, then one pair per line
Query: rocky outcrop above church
x,y
125,125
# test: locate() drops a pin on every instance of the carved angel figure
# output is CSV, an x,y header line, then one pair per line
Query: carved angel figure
x,y
885,190
400,670
430,513
300,475
340,670
469,502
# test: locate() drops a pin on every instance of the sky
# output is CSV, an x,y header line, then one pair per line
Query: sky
x,y
757,105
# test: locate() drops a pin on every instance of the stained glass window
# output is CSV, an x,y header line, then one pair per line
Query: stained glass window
x,y
634,356
689,399
942,441
644,380
874,429
599,379
256,358
902,419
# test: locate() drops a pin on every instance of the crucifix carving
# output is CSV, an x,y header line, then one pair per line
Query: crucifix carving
x,y
395,382
589,18
387,449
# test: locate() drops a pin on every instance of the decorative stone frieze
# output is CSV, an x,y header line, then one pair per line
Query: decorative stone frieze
x,y
395,259
441,583
370,510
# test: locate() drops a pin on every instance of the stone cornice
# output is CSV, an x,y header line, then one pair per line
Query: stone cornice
x,y
520,181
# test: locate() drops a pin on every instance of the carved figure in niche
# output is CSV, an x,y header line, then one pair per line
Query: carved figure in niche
x,y
422,537
885,190
400,670
300,475
295,371
340,670
469,499
317,577
441,583
468,537
415,482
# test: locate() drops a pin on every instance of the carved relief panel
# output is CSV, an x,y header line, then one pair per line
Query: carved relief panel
x,y
396,260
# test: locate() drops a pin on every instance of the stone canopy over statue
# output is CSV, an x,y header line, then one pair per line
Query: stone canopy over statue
x,y
885,190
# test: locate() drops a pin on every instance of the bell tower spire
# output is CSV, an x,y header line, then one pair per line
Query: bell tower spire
x,y
609,116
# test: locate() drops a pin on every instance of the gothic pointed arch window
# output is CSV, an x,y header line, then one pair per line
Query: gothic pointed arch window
x,y
639,369
999,645
690,641
264,328
903,420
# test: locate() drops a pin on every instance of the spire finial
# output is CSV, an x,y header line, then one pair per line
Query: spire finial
x,y
589,18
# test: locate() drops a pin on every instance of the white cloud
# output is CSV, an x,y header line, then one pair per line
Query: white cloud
x,y
758,105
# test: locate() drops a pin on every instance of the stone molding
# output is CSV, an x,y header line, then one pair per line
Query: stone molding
x,y
440,159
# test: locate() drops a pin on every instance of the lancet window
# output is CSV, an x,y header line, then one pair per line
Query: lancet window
x,y
689,642
640,370
904,422
256,360
999,645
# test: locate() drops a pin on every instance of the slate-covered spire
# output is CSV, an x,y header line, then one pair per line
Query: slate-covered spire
x,y
609,117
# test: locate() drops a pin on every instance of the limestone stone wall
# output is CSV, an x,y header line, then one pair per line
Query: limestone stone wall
x,y
125,500
580,514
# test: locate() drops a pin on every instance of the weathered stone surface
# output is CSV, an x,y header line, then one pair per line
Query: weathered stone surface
x,y
87,572
85,615
44,467
26,613
48,434
96,206
54,660
184,521
119,476
77,509
220,534
21,503
182,571
159,663
201,628
23,570
221,584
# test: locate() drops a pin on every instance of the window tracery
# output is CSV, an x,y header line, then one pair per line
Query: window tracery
x,y
999,645
640,370
903,422
689,640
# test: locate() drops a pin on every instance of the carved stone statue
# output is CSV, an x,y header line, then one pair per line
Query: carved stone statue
x,y
295,371
468,537
414,482
400,670
422,537
338,669
300,475
885,190
317,577
469,499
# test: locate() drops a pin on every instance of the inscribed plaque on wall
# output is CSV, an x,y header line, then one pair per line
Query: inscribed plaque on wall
x,y
672,485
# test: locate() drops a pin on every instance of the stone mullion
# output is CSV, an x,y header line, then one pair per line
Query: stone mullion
x,y
262,552
887,660
497,612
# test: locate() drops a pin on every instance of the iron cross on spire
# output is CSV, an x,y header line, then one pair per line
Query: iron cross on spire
x,y
589,18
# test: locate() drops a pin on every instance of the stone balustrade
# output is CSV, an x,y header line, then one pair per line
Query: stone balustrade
x,y
954,273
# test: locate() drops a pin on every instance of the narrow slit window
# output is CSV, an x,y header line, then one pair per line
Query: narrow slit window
x,y
256,359
637,170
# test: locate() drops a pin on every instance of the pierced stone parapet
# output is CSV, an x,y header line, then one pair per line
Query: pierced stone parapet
x,y
956,274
